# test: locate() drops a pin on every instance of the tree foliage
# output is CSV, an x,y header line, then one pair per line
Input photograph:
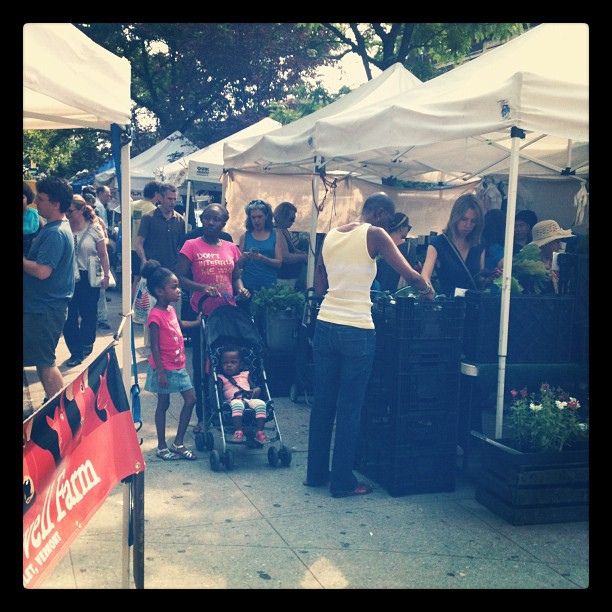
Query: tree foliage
x,y
209,80
63,152
426,49
303,100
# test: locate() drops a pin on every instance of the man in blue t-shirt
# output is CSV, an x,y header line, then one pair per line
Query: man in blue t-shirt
x,y
48,283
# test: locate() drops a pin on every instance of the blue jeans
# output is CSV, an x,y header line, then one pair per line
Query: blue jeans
x,y
343,358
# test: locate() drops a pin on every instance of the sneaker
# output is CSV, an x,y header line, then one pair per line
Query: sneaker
x,y
238,436
103,325
260,436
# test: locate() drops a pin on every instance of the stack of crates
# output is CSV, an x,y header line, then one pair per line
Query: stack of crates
x,y
409,420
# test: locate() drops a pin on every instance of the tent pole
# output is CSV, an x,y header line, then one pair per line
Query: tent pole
x,y
224,179
187,206
126,337
517,135
314,213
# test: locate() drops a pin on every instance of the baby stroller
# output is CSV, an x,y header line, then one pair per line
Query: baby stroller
x,y
232,326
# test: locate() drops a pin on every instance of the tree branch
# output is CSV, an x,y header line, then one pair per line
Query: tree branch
x,y
406,39
362,50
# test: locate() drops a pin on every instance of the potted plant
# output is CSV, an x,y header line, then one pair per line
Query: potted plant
x,y
278,309
540,473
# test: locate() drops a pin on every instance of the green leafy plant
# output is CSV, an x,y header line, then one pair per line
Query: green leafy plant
x,y
529,273
548,421
277,297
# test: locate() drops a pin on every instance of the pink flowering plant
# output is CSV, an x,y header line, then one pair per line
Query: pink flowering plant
x,y
545,421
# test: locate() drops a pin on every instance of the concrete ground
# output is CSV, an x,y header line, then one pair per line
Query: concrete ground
x,y
259,527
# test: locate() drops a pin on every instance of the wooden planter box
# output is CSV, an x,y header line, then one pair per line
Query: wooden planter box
x,y
531,488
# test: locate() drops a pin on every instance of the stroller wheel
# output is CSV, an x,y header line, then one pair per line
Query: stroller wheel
x,y
200,442
209,441
284,455
215,461
228,459
272,456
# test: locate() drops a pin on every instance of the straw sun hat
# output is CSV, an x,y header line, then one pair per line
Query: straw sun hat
x,y
547,231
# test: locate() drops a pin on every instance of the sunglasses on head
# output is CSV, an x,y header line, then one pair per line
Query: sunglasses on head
x,y
256,204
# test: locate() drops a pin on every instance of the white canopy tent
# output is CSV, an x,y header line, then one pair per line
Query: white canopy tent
x,y
144,166
206,165
296,160
71,82
523,103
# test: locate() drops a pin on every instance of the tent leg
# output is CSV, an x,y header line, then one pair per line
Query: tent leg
x,y
502,351
314,213
187,206
126,336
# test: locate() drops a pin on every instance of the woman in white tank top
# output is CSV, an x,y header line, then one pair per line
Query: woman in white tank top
x,y
345,340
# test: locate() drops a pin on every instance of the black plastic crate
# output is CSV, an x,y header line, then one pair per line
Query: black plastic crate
x,y
539,330
428,386
437,320
424,430
428,351
413,472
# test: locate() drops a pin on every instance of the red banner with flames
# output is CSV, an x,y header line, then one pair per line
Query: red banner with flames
x,y
75,450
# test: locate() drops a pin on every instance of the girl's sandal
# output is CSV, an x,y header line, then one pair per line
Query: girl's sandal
x,y
183,452
166,454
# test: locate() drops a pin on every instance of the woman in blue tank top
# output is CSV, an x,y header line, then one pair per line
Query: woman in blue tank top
x,y
262,247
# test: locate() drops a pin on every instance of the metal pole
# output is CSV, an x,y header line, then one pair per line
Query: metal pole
x,y
126,338
125,534
504,317
187,206
314,214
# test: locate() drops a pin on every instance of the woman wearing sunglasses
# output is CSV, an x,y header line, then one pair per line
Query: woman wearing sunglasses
x,y
262,247
89,239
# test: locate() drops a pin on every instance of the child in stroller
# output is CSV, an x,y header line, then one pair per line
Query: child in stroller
x,y
238,391
234,352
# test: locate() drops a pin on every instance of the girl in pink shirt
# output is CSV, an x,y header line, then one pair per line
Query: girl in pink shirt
x,y
166,371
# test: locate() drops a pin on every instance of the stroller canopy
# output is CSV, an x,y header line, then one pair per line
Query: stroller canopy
x,y
231,323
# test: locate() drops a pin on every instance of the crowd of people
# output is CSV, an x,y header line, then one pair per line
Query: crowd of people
x,y
204,269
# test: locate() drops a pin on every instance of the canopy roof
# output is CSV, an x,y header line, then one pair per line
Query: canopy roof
x,y
292,145
71,82
458,123
206,165
143,166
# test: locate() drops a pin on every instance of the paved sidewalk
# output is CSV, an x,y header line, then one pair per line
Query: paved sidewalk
x,y
259,527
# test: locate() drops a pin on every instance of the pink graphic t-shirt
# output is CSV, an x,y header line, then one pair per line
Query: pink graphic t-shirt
x,y
171,343
212,265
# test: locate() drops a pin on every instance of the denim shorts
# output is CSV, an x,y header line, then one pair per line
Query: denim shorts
x,y
178,381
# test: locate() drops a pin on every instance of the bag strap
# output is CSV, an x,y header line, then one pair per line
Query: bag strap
x,y
135,387
458,255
